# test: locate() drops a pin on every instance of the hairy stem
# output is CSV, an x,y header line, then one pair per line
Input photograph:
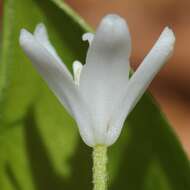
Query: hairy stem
x,y
99,167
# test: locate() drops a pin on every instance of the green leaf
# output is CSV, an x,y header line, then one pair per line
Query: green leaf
x,y
39,143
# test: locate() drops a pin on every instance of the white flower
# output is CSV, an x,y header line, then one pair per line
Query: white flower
x,y
100,95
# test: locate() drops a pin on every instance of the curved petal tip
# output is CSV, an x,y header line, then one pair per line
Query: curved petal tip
x,y
114,26
168,32
167,40
113,33
41,34
24,37
112,19
40,27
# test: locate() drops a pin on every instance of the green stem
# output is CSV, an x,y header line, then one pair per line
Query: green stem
x,y
99,167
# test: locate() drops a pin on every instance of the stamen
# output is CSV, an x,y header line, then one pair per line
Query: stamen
x,y
77,68
88,37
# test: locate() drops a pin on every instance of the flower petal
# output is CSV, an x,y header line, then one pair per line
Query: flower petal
x,y
140,80
41,36
106,72
60,82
